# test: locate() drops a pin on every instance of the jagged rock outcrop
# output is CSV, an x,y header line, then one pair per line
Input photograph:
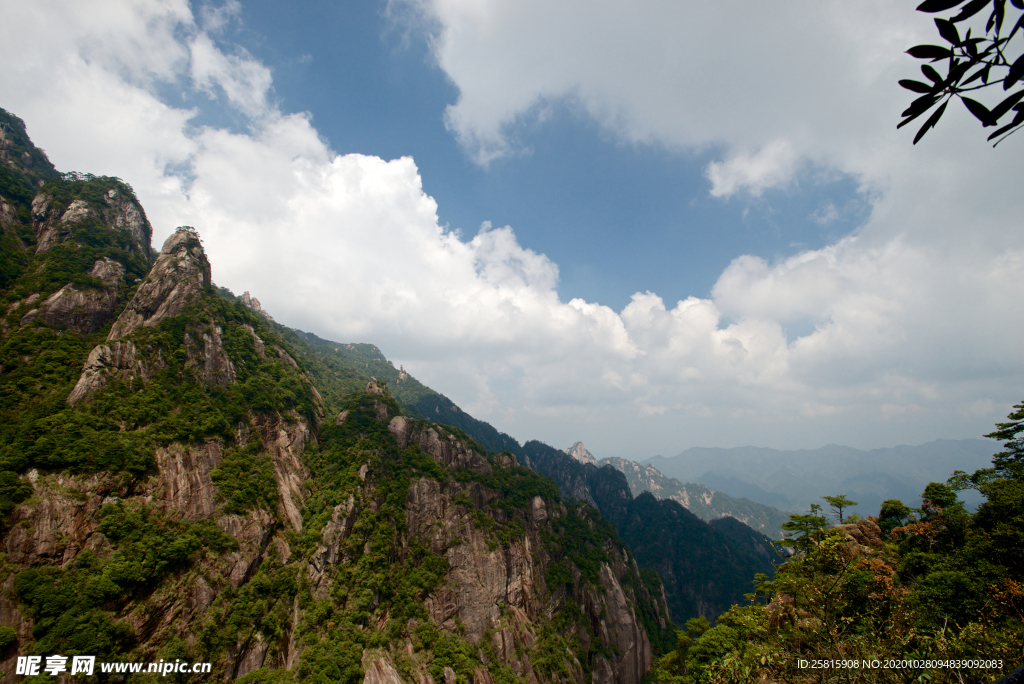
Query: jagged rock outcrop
x,y
120,359
580,453
207,359
60,520
445,447
251,302
665,536
177,278
704,502
116,209
184,483
861,538
83,310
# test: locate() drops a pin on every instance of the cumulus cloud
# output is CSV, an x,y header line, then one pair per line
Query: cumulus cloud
x,y
908,332
770,167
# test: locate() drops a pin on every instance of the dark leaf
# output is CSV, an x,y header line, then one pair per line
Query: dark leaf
x,y
930,123
1016,27
903,123
975,76
931,73
1016,72
920,105
932,52
932,120
1004,106
1019,4
958,70
970,9
978,110
1002,130
916,86
948,31
933,6
984,75
998,12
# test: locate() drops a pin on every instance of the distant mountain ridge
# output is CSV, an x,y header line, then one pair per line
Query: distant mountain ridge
x,y
793,479
704,502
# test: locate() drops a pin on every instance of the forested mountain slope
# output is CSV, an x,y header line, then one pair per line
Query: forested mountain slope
x,y
704,502
174,485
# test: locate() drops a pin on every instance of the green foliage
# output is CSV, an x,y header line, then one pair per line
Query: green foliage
x,y
838,504
8,637
944,585
245,480
894,513
263,605
1010,463
577,539
119,428
803,532
13,490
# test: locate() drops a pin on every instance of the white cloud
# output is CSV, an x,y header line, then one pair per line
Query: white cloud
x,y
911,337
770,167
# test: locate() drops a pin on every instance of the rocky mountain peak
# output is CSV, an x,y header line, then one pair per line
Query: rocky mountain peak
x,y
580,453
251,302
19,154
178,277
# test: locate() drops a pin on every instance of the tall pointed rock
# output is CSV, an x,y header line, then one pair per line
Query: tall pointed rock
x,y
177,279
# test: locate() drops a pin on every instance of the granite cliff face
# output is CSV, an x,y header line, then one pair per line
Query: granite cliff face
x,y
171,486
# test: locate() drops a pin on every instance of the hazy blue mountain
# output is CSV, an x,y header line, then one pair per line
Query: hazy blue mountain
x,y
793,479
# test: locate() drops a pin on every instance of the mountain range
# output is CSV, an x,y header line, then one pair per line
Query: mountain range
x,y
793,480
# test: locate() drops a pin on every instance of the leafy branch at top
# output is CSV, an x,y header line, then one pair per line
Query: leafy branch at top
x,y
972,63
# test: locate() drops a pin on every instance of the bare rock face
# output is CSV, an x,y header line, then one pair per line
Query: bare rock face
x,y
59,520
624,632
119,359
253,532
8,216
861,538
446,449
183,482
286,440
117,209
84,311
177,279
207,358
378,669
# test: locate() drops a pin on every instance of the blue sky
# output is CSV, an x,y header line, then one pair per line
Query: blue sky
x,y
617,218
579,222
